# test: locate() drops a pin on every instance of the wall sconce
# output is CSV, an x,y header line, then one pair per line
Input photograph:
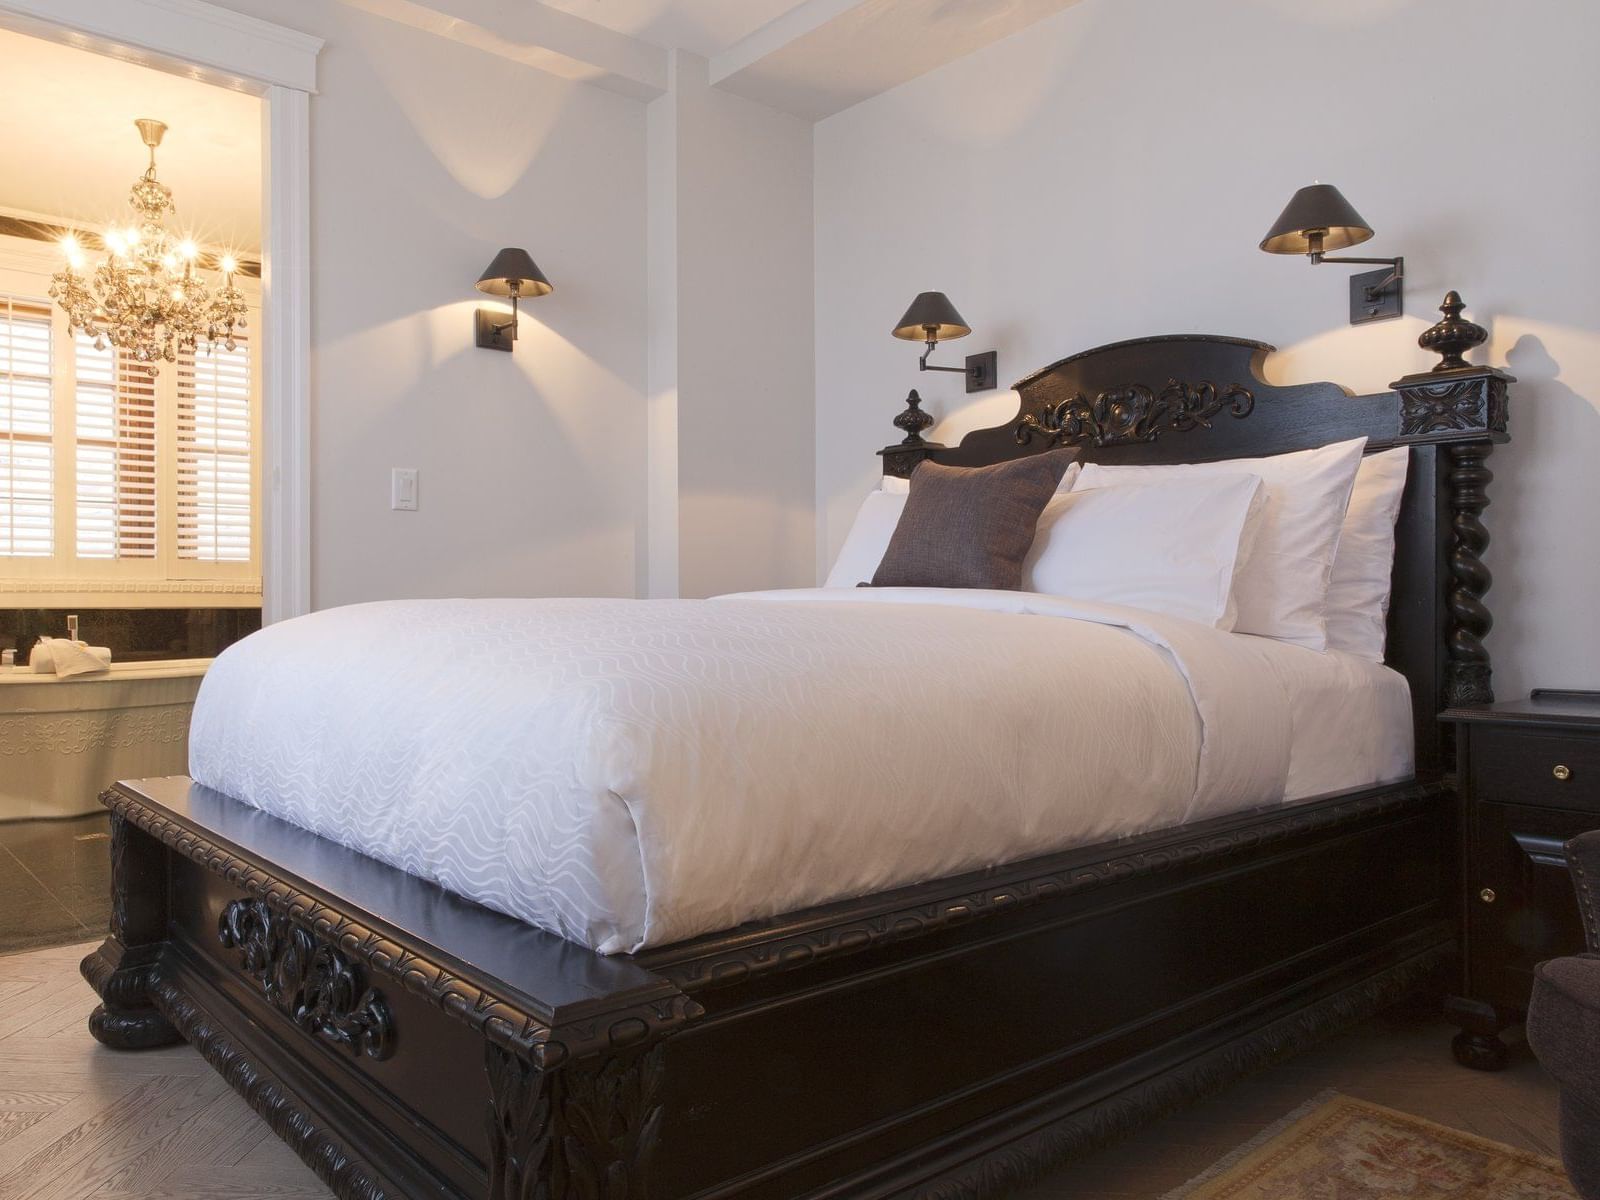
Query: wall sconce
x,y
1318,218
512,273
933,319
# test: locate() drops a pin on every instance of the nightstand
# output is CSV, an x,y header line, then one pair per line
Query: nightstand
x,y
1529,775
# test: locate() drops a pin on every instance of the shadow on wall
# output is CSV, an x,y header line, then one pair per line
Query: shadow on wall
x,y
1552,504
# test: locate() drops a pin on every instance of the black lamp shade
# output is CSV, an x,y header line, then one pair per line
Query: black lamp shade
x,y
1319,208
931,310
514,265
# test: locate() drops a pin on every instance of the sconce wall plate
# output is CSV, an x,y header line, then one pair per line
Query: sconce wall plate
x,y
492,330
983,371
1376,296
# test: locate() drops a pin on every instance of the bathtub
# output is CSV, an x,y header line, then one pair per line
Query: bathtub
x,y
62,741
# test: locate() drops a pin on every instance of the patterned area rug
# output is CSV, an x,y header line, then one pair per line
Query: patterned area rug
x,y
1336,1148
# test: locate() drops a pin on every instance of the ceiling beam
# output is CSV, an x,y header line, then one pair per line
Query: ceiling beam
x,y
537,36
826,55
775,35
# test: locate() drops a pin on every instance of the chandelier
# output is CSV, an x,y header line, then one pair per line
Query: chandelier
x,y
146,298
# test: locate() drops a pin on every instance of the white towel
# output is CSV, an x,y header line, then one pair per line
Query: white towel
x,y
59,656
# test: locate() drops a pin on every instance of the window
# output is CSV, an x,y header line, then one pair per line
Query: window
x,y
27,486
118,484
114,405
214,445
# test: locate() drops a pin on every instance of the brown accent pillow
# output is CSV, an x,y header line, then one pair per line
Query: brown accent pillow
x,y
970,527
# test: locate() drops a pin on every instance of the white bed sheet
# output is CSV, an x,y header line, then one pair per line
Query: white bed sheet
x,y
632,773
1351,720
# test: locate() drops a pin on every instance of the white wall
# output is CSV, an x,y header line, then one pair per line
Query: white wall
x,y
731,379
427,157
1108,173
653,432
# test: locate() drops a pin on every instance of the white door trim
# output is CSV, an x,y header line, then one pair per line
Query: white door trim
x,y
190,37
230,48
286,312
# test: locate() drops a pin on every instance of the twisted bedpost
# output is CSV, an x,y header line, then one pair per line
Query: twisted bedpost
x,y
1468,679
1462,409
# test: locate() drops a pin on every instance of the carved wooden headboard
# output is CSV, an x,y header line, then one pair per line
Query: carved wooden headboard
x,y
1198,398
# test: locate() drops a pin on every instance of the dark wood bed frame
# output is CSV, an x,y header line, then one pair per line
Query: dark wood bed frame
x,y
948,1039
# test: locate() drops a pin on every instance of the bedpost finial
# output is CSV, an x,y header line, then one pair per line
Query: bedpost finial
x,y
913,420
1452,336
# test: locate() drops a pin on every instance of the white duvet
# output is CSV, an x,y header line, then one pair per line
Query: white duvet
x,y
631,773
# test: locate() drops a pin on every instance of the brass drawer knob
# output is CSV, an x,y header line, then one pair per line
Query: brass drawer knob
x,y
1487,895
1562,772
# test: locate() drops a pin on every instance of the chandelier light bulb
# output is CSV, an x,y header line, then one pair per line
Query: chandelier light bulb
x,y
188,249
132,236
114,242
229,264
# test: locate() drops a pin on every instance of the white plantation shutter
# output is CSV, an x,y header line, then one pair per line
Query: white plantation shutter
x,y
118,483
27,475
214,447
115,409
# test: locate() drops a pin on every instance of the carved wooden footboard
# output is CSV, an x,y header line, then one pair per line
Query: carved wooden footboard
x,y
955,1036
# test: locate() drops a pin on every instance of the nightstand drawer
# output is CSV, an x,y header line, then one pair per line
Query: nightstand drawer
x,y
1548,767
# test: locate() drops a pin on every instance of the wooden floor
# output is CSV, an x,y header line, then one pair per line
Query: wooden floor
x,y
79,1121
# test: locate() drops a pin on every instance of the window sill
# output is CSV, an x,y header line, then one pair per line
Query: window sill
x,y
130,593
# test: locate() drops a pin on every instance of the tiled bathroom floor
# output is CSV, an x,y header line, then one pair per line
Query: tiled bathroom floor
x,y
55,881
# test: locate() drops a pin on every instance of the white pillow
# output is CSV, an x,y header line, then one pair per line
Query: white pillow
x,y
895,484
1363,569
867,540
1283,583
1169,547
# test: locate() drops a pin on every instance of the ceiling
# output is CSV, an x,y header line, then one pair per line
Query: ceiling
x,y
852,51
705,26
811,58
69,149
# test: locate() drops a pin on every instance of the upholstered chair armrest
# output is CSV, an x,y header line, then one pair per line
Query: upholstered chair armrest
x,y
1583,860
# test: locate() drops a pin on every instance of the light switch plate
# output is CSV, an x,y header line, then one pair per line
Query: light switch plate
x,y
403,489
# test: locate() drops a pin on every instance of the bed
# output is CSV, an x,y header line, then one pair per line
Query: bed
x,y
903,1023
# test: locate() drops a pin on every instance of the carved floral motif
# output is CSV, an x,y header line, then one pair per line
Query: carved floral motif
x,y
121,883
584,1132
1135,413
315,985
1459,405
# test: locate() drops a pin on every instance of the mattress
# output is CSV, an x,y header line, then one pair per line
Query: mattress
x,y
632,773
